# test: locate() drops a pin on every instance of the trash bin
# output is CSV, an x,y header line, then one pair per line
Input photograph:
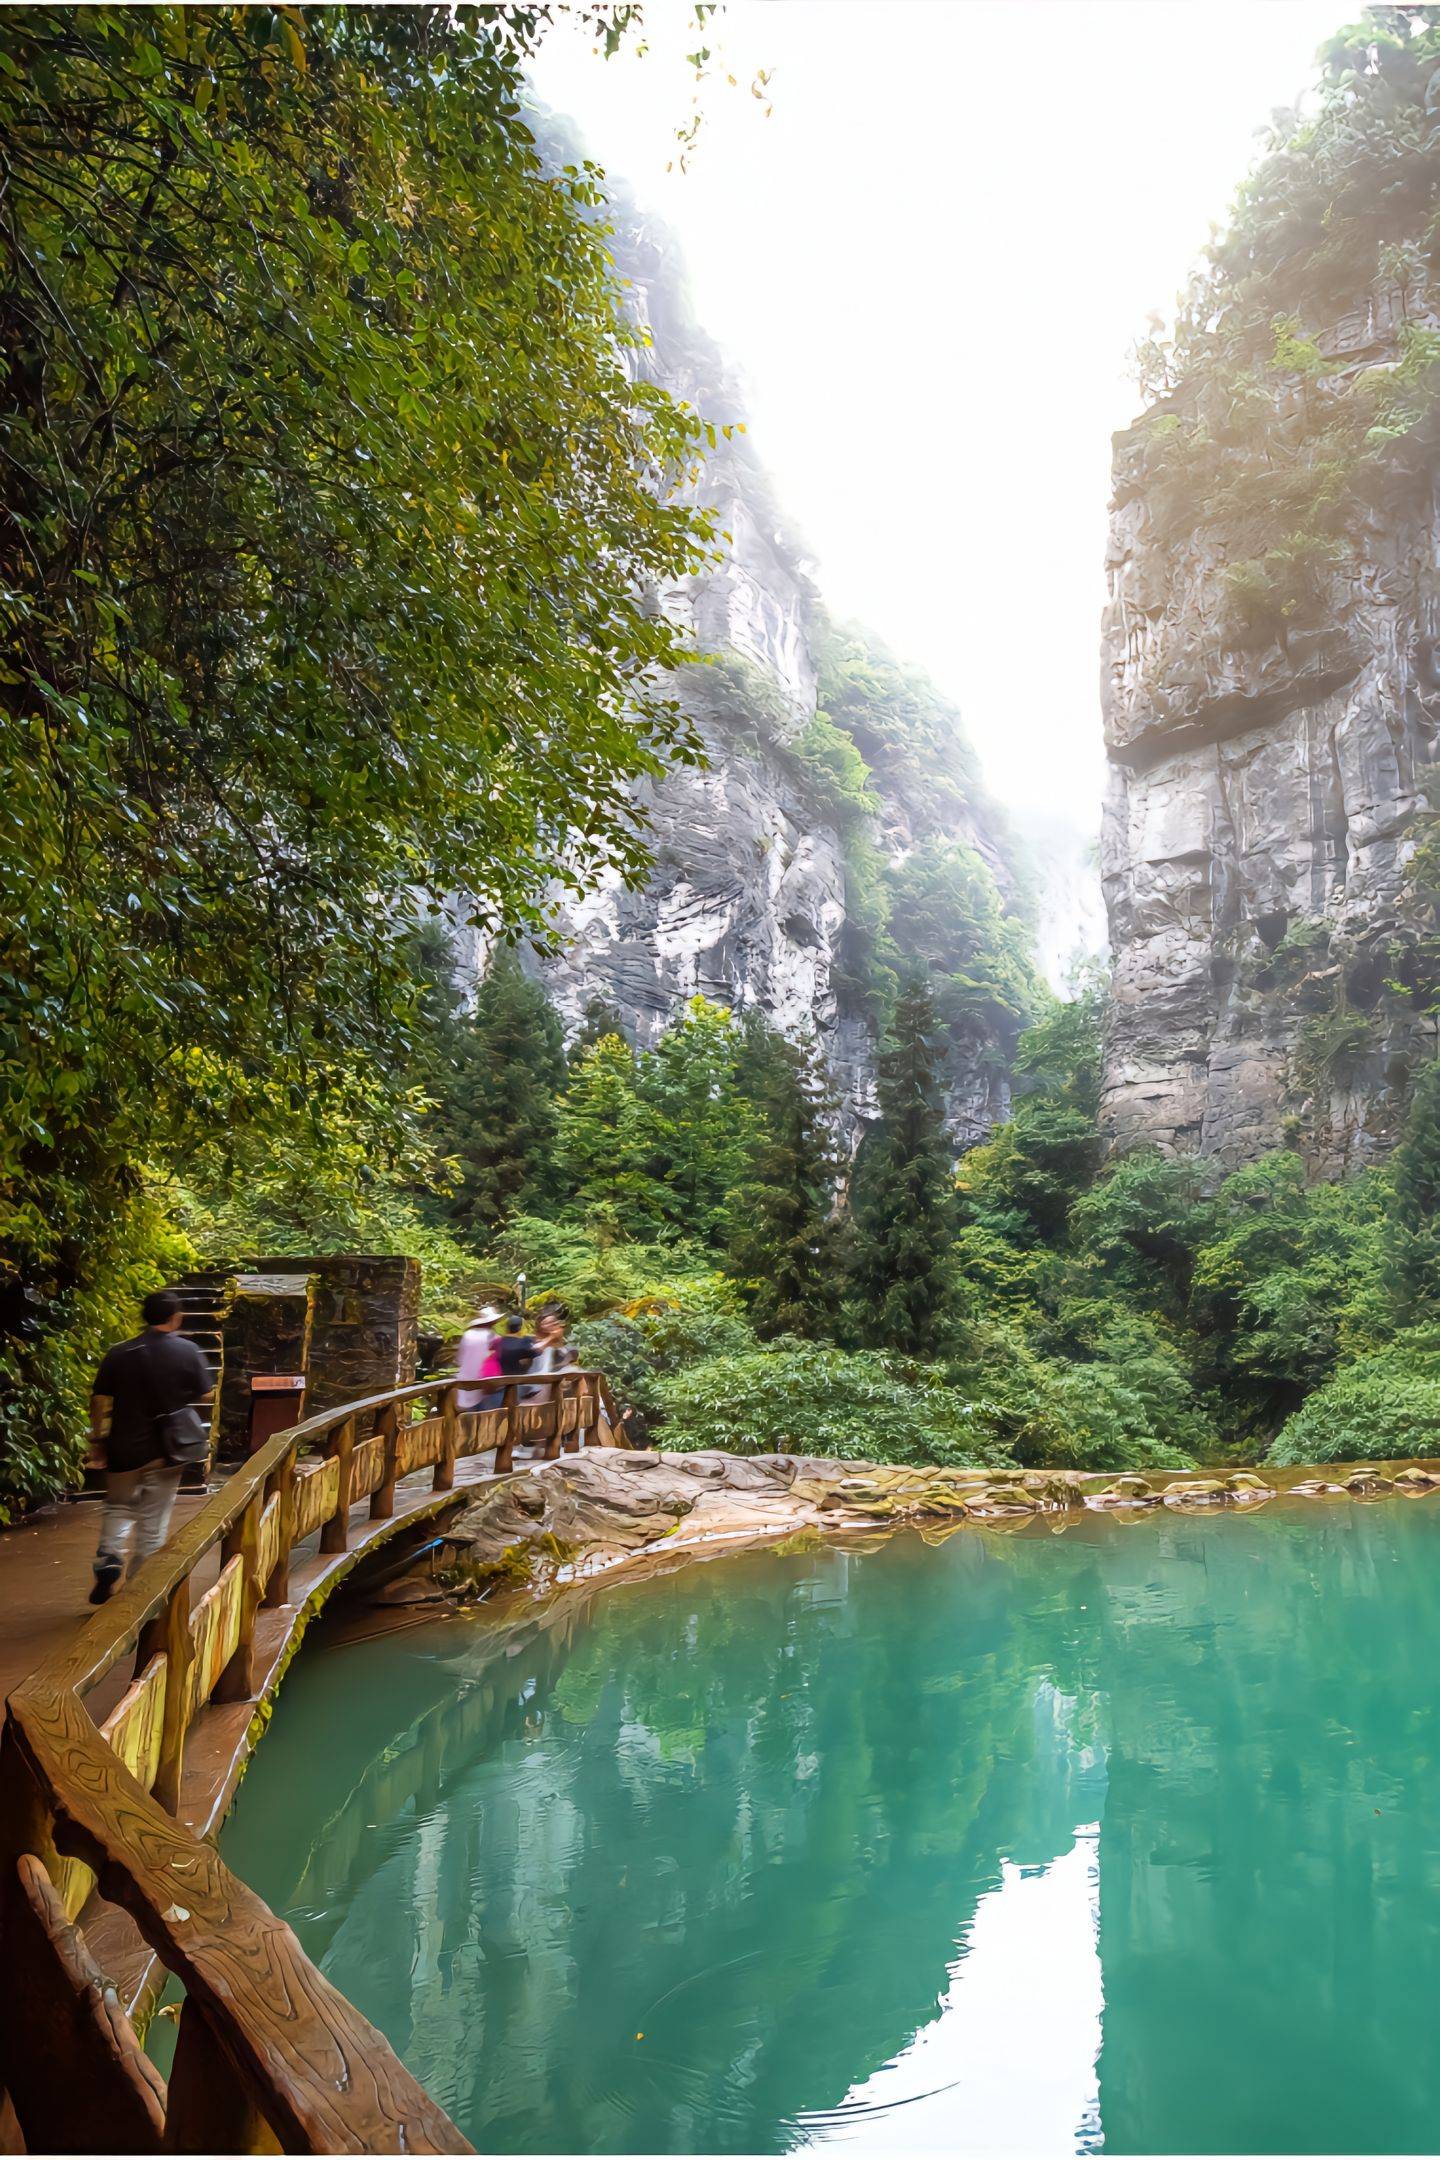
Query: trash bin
x,y
277,1399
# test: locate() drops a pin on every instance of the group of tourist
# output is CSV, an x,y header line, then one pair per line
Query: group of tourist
x,y
149,1414
498,1346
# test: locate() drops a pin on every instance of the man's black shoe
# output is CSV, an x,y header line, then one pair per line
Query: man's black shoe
x,y
104,1588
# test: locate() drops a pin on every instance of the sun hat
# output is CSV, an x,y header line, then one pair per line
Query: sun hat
x,y
487,1316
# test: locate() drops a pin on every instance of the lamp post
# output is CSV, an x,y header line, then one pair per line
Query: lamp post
x,y
520,1281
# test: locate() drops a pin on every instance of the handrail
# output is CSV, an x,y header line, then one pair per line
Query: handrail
x,y
267,2049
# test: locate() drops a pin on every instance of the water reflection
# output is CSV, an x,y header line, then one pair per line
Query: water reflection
x,y
1029,1964
1026,1844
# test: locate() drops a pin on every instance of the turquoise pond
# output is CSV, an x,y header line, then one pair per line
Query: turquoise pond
x,y
1123,1839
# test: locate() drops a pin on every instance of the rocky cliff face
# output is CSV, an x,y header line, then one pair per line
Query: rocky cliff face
x,y
751,898
1268,730
1271,680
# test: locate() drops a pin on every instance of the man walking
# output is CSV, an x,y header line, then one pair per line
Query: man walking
x,y
139,1385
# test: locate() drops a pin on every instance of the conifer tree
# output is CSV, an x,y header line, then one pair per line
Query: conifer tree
x,y
902,1265
1414,1256
599,1145
783,1240
694,1119
601,1017
497,1116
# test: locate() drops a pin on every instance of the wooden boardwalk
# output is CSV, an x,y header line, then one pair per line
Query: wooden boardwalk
x,y
45,1581
121,1753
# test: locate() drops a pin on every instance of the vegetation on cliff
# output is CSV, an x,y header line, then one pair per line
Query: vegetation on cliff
x,y
890,760
1299,390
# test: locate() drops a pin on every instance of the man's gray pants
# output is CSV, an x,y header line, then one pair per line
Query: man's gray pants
x,y
137,1505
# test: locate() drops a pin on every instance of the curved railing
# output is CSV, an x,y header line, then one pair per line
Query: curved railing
x,y
105,1863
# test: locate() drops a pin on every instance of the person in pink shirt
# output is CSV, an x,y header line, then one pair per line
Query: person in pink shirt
x,y
478,1358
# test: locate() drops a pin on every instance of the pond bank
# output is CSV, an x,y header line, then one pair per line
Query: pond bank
x,y
591,1514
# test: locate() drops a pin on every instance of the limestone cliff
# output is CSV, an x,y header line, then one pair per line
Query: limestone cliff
x,y
774,862
1270,683
1254,798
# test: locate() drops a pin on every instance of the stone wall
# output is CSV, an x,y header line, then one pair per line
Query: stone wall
x,y
363,1324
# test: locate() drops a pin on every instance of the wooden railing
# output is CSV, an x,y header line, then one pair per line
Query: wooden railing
x,y
94,1817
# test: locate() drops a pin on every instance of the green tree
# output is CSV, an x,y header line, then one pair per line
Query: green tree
x,y
496,1122
1285,1283
902,1270
1018,1188
333,505
695,1126
783,1235
601,1017
599,1148
1142,1225
1414,1212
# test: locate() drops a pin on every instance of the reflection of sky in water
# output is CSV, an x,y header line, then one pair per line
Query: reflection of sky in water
x,y
1004,1845
1029,1964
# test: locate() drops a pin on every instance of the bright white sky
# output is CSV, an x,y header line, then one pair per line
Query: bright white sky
x,y
929,265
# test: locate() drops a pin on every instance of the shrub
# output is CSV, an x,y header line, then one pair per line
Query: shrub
x,y
617,1345
804,1399
593,1272
1132,1409
1090,1417
1380,1408
635,1350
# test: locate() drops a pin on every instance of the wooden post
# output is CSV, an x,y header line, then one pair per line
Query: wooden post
x,y
335,1536
237,1682
572,1390
554,1439
169,1634
207,2108
450,1437
382,1500
27,1825
78,2077
505,1449
277,1589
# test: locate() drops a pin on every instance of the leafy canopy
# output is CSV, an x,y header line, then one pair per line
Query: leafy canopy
x,y
333,502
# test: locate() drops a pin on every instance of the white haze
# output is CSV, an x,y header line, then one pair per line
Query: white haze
x,y
929,264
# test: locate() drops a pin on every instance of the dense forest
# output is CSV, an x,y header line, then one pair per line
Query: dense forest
x,y
748,1288
333,510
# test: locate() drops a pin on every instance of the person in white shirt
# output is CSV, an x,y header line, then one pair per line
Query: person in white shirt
x,y
552,1352
474,1350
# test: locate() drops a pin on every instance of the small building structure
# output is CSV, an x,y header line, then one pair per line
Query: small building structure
x,y
347,1321
264,1330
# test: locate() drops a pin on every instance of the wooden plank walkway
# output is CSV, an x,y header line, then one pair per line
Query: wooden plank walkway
x,y
45,1577
107,1816
45,1581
